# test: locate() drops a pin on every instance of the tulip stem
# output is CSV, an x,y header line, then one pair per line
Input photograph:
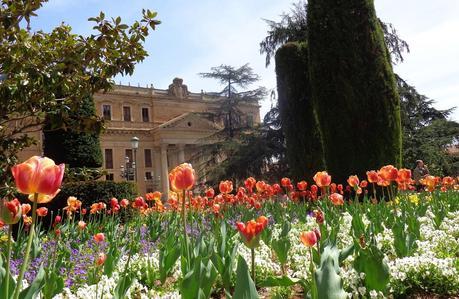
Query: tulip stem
x,y
184,227
253,265
29,246
10,232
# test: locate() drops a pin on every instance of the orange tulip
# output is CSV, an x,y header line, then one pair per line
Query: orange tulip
x,y
309,239
372,176
430,182
302,185
38,175
10,211
388,173
353,181
336,199
404,175
448,181
153,196
42,212
251,231
101,259
363,184
182,177
225,187
322,179
99,237
73,205
26,208
261,186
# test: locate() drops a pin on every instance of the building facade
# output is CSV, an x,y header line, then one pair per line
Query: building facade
x,y
171,126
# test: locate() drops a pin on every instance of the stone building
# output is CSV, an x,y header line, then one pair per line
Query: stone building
x,y
171,126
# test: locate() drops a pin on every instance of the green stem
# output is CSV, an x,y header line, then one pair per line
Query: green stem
x,y
253,265
184,226
10,232
29,246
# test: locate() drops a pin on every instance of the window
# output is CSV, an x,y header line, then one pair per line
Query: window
x,y
145,115
109,177
148,176
148,162
108,158
250,120
126,113
107,112
128,153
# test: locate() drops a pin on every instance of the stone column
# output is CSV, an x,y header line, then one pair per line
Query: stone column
x,y
181,153
164,172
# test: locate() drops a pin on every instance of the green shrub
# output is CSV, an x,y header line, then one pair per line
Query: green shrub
x,y
95,191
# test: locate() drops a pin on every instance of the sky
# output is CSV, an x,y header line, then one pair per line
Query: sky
x,y
197,35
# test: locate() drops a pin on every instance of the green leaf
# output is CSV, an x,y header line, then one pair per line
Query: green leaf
x,y
123,285
35,287
245,288
370,261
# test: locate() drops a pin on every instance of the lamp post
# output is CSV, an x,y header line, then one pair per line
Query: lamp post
x,y
135,146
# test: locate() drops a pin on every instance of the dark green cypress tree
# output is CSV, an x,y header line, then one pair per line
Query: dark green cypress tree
x,y
304,150
353,87
74,145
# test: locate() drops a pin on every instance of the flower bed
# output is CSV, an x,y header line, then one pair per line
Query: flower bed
x,y
258,240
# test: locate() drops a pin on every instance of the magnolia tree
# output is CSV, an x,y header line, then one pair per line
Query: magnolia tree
x,y
48,73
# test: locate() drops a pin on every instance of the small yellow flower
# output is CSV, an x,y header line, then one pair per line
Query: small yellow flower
x,y
414,199
3,239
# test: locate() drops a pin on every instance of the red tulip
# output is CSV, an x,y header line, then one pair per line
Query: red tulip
x,y
250,184
182,177
302,185
210,193
42,212
38,175
285,182
99,237
251,231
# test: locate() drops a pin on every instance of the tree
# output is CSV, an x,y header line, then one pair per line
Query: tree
x,y
427,133
299,124
233,78
74,146
353,88
259,153
417,112
44,73
293,27
231,98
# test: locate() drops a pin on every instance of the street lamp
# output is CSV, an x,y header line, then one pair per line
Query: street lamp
x,y
135,146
